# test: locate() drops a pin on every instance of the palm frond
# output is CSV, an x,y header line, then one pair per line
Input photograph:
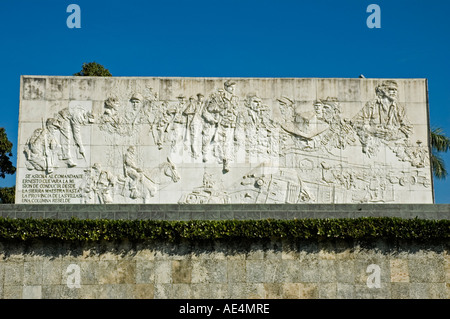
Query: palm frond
x,y
439,141
438,166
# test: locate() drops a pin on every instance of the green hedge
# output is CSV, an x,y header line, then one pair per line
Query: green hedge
x,y
198,230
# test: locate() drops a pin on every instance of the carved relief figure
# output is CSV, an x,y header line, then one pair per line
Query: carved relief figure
x,y
227,125
144,184
322,128
248,122
110,120
419,155
211,116
104,182
136,114
382,119
416,154
41,147
97,186
256,127
286,107
377,189
125,120
70,121
220,115
136,176
304,125
178,125
193,123
150,108
87,187
163,122
337,132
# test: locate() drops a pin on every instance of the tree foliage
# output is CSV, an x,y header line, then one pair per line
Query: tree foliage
x,y
6,167
439,143
7,195
364,228
93,69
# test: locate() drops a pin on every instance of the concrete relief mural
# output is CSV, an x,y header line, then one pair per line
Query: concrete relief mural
x,y
181,140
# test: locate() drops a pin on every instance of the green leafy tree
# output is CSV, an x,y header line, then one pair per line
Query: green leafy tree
x,y
6,167
7,195
93,69
439,143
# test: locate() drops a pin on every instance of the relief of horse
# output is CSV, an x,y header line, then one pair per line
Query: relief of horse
x,y
157,178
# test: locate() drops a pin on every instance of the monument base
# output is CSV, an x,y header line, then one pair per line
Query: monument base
x,y
224,211
265,269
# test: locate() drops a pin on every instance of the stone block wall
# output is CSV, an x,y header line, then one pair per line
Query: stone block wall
x,y
308,269
220,270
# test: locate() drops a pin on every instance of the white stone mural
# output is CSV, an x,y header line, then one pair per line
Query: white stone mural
x,y
216,140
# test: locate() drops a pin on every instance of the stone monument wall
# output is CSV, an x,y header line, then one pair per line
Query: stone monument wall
x,y
223,270
101,140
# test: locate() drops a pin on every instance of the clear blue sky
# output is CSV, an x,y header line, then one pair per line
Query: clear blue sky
x,y
234,38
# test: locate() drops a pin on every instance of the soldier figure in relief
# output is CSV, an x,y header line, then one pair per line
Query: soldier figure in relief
x,y
255,124
220,115
104,183
178,124
70,121
132,171
382,119
136,114
193,122
211,116
111,119
337,132
140,185
247,124
41,146
162,123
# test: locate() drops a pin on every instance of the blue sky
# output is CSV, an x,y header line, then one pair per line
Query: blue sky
x,y
245,38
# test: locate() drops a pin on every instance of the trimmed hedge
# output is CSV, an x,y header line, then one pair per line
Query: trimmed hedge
x,y
365,228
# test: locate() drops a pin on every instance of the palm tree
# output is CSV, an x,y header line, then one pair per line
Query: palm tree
x,y
439,143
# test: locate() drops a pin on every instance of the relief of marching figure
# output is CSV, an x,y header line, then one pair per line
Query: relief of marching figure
x,y
193,127
220,115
